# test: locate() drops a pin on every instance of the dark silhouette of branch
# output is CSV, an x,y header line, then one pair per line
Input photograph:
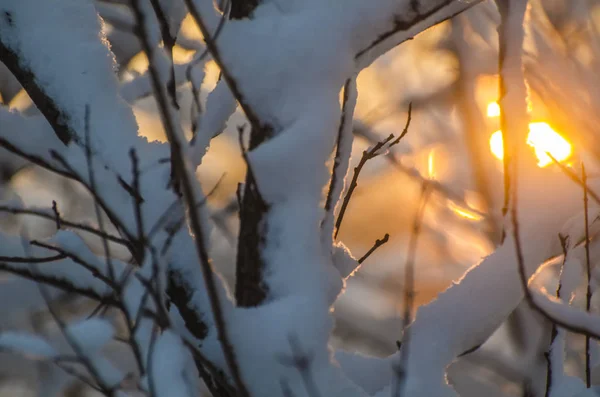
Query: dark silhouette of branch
x,y
366,156
588,268
414,174
35,159
32,259
54,281
56,214
249,288
378,243
573,176
69,224
416,17
112,216
77,259
137,206
405,130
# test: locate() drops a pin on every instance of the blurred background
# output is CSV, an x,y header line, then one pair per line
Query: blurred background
x,y
449,75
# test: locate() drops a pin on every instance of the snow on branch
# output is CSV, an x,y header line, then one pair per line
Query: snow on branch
x,y
285,66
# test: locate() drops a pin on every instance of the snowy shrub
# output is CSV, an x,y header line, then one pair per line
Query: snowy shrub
x,y
158,319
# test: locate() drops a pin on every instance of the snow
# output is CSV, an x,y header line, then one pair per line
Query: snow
x,y
296,92
568,314
372,374
30,345
175,11
343,260
140,86
345,140
91,334
46,50
220,105
172,369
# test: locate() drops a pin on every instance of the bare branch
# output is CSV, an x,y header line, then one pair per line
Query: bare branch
x,y
405,130
378,243
573,176
69,224
53,281
367,155
409,288
588,268
94,191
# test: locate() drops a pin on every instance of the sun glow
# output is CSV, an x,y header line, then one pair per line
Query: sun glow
x,y
431,164
541,137
493,110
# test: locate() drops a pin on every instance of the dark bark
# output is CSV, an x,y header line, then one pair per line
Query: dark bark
x,y
250,290
242,8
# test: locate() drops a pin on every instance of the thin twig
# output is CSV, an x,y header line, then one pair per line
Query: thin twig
x,y
415,175
56,214
137,203
378,243
564,243
405,130
366,156
107,389
214,50
94,190
588,294
32,259
56,282
65,223
575,178
403,26
409,286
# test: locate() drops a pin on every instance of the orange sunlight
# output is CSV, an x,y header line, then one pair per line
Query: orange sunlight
x,y
541,137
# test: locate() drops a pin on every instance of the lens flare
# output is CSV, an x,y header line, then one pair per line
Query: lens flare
x,y
543,139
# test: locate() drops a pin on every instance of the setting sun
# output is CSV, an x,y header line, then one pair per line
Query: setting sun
x,y
493,110
541,137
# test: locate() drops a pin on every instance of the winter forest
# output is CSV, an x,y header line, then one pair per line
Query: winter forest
x,y
299,198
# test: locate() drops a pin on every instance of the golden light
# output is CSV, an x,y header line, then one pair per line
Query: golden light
x,y
464,212
430,164
543,139
493,110
496,145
